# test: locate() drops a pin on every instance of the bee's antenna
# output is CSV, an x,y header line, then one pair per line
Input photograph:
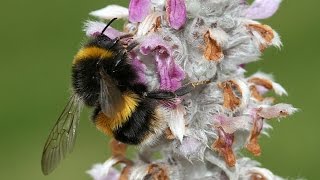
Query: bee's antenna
x,y
105,28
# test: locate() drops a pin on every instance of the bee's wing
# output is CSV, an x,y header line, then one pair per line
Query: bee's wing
x,y
110,95
62,137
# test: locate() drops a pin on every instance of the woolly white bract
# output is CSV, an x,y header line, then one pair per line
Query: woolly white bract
x,y
185,41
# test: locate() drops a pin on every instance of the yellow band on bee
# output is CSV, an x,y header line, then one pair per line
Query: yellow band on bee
x,y
129,105
92,52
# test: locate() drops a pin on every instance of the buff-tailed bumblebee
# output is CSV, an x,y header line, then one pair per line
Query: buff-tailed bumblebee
x,y
103,78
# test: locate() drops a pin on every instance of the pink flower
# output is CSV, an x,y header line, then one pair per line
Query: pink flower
x,y
231,124
262,9
93,28
138,10
176,13
139,67
170,74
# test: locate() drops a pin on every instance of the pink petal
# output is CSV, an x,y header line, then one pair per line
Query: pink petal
x,y
138,10
276,111
176,13
262,9
139,67
231,124
170,73
93,28
261,89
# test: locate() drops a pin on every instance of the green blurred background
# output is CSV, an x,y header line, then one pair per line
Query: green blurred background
x,y
39,39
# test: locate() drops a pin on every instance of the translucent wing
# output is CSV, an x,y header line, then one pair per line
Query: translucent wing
x,y
110,95
62,137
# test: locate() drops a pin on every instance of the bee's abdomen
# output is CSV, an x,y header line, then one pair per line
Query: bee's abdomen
x,y
139,124
136,128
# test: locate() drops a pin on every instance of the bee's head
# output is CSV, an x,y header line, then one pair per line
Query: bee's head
x,y
101,39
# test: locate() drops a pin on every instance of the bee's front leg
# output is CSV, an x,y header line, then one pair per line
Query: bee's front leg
x,y
132,45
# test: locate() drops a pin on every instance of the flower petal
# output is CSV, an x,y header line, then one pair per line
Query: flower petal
x,y
139,67
176,13
262,9
138,10
276,111
176,121
266,81
231,124
256,93
104,171
260,173
170,74
110,12
264,35
93,28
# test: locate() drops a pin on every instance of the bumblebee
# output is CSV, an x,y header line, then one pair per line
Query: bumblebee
x,y
103,78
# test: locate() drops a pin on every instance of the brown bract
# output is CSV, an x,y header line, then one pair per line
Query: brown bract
x,y
157,24
125,173
118,151
118,148
224,146
212,51
253,144
257,176
169,135
262,82
157,172
265,31
262,47
255,93
230,99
